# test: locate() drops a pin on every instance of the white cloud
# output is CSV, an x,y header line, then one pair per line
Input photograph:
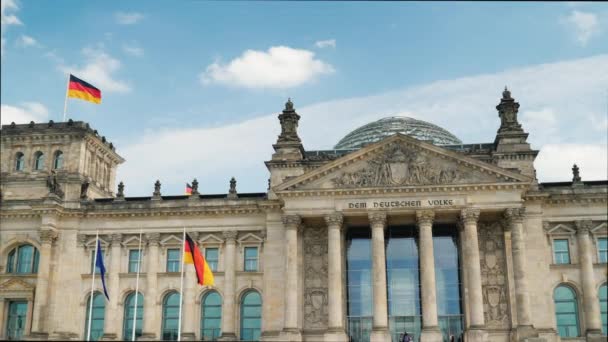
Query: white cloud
x,y
99,70
28,111
326,43
280,67
584,24
133,49
464,106
27,41
124,18
7,19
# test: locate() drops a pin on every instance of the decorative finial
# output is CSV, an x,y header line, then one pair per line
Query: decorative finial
x,y
288,105
289,124
156,192
232,191
576,177
506,94
121,190
194,187
507,111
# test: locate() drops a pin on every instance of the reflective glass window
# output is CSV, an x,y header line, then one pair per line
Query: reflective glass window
x,y
561,252
129,315
251,259
603,296
211,313
39,161
359,284
212,257
19,161
447,280
99,306
251,316
173,260
170,316
566,311
16,320
602,250
403,282
134,260
58,160
23,259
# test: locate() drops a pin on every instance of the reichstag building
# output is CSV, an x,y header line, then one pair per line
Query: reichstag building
x,y
401,227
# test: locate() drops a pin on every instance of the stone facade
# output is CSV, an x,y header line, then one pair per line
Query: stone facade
x,y
505,223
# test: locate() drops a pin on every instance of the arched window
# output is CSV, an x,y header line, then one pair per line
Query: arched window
x,y
170,316
127,330
58,160
566,311
39,161
211,314
23,259
19,161
251,316
99,306
603,296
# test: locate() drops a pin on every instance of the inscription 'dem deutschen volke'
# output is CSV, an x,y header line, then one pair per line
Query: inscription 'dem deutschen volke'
x,y
404,203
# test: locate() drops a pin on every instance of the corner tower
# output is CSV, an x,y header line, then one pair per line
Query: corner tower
x,y
68,160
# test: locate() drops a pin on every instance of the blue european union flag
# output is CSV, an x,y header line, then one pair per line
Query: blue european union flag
x,y
102,268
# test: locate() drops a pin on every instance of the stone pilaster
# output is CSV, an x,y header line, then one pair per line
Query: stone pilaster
x,y
590,299
428,293
39,318
291,224
151,311
514,222
335,330
111,326
228,303
380,332
470,245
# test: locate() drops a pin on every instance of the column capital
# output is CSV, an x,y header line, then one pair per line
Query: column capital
x,y
334,219
116,239
47,235
425,217
377,218
583,227
229,235
292,221
469,215
153,239
514,215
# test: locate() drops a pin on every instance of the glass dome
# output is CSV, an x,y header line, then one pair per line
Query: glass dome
x,y
383,128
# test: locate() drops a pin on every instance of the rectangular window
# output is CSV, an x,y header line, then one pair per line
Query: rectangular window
x,y
561,253
251,259
173,260
134,261
602,250
212,257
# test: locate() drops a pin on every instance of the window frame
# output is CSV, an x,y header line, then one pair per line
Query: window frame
x,y
58,156
164,311
178,261
125,318
19,160
203,317
217,261
39,159
257,258
13,260
561,252
577,311
129,261
242,316
598,251
95,295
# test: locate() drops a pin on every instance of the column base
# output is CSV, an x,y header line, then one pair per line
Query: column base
x,y
431,334
380,335
108,337
147,337
335,335
36,336
64,336
291,334
595,336
526,333
188,336
474,334
227,337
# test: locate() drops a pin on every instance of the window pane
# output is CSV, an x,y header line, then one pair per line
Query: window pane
x,y
251,258
603,296
25,259
170,316
10,264
251,316
561,252
602,246
212,257
566,311
133,260
129,313
358,281
97,320
173,260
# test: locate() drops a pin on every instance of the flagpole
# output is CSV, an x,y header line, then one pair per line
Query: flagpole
x,y
92,287
181,288
137,287
65,104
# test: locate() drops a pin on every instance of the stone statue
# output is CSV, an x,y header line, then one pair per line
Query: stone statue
x,y
576,177
121,190
507,111
84,189
53,185
194,187
232,192
156,192
289,124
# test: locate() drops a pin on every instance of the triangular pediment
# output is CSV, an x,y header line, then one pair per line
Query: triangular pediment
x,y
401,161
16,285
561,228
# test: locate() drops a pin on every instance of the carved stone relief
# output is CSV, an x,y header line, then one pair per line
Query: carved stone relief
x,y
402,165
315,278
493,275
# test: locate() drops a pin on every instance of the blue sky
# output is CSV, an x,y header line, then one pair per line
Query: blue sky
x,y
174,75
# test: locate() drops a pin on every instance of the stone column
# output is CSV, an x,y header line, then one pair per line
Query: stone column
x,y
335,331
40,314
469,217
514,223
428,290
291,224
112,330
590,299
228,302
151,311
380,319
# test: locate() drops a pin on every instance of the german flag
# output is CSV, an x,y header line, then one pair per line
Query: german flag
x,y
192,255
188,189
80,89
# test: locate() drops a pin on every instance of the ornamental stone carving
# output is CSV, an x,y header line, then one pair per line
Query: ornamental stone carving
x,y
48,236
292,221
493,271
315,278
116,239
402,165
229,235
469,215
153,239
514,215
334,219
425,217
377,218
583,227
